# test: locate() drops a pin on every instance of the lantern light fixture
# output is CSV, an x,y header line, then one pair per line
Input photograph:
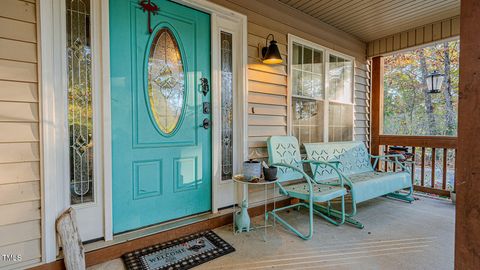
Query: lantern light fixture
x,y
434,82
270,53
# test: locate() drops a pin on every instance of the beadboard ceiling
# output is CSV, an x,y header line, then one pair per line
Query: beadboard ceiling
x,y
372,19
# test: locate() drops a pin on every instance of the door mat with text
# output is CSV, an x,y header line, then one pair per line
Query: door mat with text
x,y
182,253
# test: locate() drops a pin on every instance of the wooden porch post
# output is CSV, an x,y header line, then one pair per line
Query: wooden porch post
x,y
376,104
467,229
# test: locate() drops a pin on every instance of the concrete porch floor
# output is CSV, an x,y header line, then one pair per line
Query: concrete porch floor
x,y
397,235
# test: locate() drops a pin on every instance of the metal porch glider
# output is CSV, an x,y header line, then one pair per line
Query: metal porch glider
x,y
284,152
357,171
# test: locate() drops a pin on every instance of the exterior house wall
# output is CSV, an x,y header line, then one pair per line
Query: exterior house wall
x,y
268,105
20,173
20,227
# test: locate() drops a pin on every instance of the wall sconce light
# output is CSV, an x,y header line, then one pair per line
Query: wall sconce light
x,y
434,82
270,53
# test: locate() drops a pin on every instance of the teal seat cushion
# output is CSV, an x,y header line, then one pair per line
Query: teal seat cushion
x,y
369,185
321,193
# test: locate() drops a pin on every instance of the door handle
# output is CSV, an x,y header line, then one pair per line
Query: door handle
x,y
204,85
205,124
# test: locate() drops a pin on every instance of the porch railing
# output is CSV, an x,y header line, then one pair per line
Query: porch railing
x,y
432,163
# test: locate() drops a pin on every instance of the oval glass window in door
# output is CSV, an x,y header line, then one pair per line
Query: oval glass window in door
x,y
166,84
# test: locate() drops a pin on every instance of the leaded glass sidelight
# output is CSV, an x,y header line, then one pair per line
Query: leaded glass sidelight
x,y
80,112
166,84
227,105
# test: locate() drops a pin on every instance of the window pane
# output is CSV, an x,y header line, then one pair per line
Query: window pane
x,y
318,62
334,77
307,124
347,81
307,59
297,82
227,105
307,84
340,126
318,70
317,86
340,79
297,56
80,111
307,72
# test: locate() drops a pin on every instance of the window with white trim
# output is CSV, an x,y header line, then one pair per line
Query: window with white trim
x,y
322,93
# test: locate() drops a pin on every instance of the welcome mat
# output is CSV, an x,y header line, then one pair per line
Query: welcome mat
x,y
182,253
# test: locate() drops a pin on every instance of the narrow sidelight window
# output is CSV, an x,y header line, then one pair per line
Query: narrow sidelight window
x,y
79,93
227,105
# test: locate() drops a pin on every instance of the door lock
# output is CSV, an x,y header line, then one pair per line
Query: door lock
x,y
205,124
206,107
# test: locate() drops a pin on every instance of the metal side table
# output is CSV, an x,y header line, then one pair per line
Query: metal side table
x,y
241,220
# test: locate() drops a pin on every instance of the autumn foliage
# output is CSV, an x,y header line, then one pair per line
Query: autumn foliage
x,y
408,107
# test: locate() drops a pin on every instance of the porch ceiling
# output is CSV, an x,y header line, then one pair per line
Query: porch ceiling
x,y
372,19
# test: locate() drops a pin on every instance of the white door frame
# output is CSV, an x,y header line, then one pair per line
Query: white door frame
x,y
54,185
222,193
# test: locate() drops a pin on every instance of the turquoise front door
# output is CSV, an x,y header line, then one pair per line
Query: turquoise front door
x,y
161,148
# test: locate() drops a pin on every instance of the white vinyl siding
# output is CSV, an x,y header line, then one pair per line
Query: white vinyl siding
x,y
362,102
20,226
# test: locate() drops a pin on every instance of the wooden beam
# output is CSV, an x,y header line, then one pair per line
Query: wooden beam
x,y
377,104
467,224
419,141
439,192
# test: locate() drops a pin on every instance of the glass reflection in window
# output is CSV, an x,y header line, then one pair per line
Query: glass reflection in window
x,y
307,72
308,121
340,79
340,123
